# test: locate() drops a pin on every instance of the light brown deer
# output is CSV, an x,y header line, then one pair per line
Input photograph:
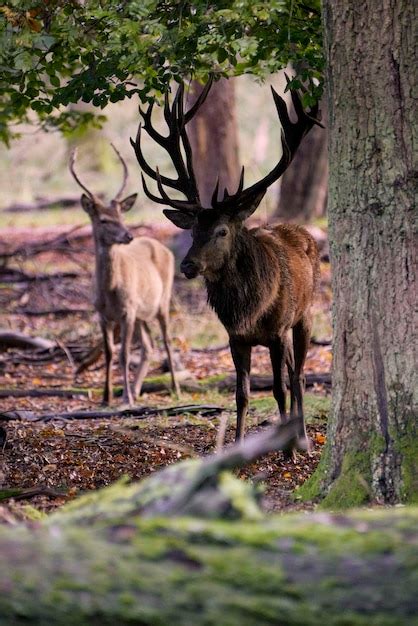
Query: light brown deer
x,y
261,281
134,278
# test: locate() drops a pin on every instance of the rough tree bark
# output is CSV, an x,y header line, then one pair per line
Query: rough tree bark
x,y
98,562
304,185
372,451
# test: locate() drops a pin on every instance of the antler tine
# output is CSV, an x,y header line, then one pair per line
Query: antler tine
x,y
215,194
73,155
125,173
170,182
199,101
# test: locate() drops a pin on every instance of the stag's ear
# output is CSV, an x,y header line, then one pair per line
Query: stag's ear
x,y
247,208
128,203
180,219
88,204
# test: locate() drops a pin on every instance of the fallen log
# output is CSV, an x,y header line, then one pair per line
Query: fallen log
x,y
58,312
141,412
42,203
45,393
12,275
265,383
9,339
125,556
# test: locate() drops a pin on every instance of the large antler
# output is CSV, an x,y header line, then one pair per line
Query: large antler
x,y
291,136
176,119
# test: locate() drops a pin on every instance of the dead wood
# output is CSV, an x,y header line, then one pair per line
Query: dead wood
x,y
265,383
13,275
7,493
59,312
9,339
44,393
138,412
42,203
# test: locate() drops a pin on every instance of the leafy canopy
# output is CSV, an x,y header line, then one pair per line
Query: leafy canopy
x,y
57,52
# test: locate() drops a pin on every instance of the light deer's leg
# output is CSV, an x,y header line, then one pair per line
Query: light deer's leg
x,y
301,340
241,355
278,352
108,345
163,320
146,351
127,330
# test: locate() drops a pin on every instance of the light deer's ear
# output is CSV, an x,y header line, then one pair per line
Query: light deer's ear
x,y
88,204
128,203
247,208
180,219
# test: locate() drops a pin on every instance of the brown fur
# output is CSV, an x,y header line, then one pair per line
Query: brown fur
x,y
261,283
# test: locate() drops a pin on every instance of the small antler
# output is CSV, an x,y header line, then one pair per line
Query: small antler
x,y
125,174
176,119
73,155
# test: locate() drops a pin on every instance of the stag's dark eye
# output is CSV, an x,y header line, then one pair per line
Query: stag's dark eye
x,y
222,232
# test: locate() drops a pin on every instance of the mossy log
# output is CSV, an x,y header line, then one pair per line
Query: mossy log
x,y
189,546
293,570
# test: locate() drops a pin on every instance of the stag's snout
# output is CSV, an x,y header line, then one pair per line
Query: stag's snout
x,y
190,268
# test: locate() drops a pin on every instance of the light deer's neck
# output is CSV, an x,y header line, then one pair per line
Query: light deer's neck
x,y
104,265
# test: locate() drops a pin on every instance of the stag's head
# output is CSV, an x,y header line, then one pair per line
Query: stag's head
x,y
214,229
106,218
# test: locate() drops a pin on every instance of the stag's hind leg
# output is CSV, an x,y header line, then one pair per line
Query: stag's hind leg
x,y
301,340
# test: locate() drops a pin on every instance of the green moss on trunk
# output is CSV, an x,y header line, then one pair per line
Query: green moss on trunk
x,y
101,563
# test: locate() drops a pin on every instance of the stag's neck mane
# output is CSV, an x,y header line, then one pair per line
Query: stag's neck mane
x,y
247,285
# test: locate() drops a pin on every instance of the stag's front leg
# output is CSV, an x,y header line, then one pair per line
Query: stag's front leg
x,y
127,331
241,355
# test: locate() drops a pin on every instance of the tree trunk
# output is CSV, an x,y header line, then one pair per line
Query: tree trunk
x,y
99,562
213,137
372,451
304,186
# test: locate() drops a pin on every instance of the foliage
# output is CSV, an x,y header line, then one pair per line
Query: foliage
x,y
56,53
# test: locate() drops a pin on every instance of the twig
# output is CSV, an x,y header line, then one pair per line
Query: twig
x,y
44,393
6,493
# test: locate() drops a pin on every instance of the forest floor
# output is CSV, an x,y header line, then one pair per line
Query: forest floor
x,y
60,458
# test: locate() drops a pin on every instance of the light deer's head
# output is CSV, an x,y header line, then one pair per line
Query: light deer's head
x,y
106,219
214,229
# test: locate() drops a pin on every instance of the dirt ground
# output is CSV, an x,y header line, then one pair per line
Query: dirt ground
x,y
62,458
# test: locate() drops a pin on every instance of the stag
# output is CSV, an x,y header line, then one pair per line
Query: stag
x,y
134,278
259,281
